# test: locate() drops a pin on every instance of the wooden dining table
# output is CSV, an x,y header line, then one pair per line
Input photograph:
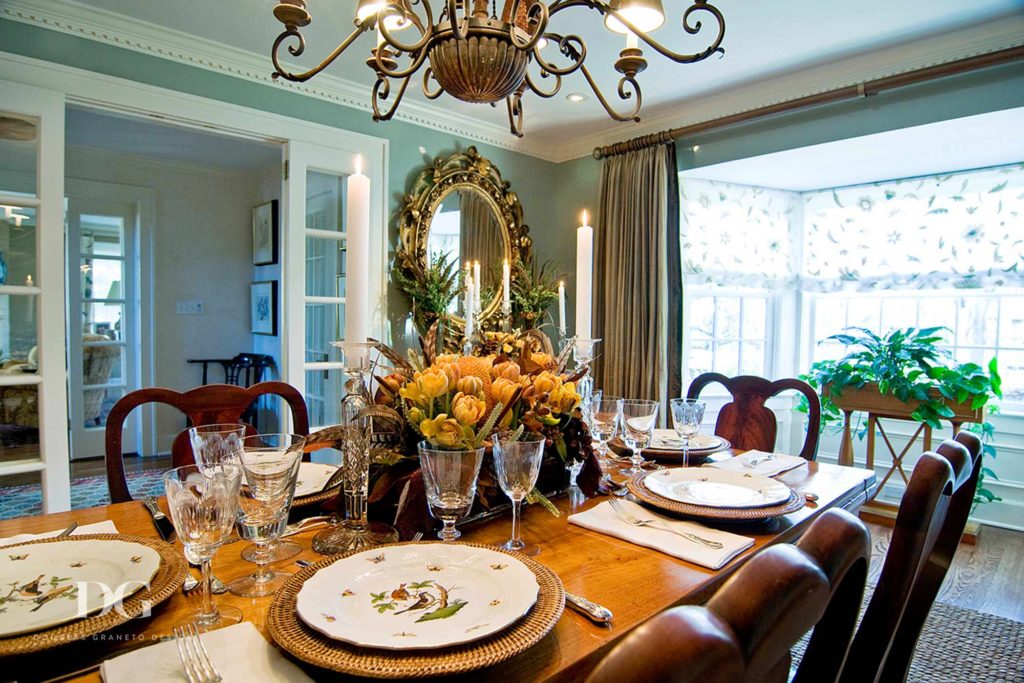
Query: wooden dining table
x,y
632,581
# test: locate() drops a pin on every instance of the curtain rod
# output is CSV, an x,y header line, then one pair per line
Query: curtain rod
x,y
872,87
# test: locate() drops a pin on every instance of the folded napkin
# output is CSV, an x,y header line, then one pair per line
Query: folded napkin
x,y
760,462
104,527
238,652
602,518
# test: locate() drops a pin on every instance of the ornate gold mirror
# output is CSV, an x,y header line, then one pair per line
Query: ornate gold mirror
x,y
459,208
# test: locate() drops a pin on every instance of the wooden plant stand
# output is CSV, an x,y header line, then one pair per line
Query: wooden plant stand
x,y
869,400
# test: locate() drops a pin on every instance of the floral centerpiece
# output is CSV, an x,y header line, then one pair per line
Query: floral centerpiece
x,y
458,402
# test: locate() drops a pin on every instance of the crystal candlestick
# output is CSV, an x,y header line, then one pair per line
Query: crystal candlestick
x,y
355,531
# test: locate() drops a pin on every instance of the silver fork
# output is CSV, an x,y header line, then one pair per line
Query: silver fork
x,y
630,518
195,660
754,462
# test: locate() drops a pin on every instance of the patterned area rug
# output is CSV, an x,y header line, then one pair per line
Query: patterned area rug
x,y
20,501
962,645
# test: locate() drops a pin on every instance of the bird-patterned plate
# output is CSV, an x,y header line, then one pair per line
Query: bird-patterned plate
x,y
46,584
417,595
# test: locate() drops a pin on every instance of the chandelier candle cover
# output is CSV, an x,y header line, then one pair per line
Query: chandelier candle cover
x,y
483,53
584,277
357,238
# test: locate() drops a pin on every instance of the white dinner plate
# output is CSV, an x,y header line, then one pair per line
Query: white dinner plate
x,y
669,440
46,584
717,488
417,595
313,476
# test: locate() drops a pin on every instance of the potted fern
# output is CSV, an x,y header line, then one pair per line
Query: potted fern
x,y
431,289
907,374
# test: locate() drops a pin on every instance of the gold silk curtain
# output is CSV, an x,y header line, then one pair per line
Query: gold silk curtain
x,y
637,276
480,237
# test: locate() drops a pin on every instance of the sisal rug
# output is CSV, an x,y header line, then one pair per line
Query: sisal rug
x,y
21,501
962,645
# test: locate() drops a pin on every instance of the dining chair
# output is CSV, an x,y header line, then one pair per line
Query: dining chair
x,y
747,423
743,633
841,545
964,454
209,404
883,645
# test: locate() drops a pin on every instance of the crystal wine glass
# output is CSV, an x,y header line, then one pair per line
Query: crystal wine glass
x,y
271,468
216,443
449,478
687,415
604,423
637,418
203,501
517,464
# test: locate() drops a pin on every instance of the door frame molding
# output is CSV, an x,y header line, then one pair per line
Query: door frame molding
x,y
109,93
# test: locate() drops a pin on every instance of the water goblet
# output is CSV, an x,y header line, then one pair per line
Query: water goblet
x,y
204,503
449,478
276,549
687,415
216,443
637,418
517,464
604,423
270,463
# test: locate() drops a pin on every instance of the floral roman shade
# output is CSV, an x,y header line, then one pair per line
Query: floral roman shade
x,y
962,230
739,235
956,230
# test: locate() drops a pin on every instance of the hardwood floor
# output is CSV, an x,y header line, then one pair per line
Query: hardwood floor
x,y
987,577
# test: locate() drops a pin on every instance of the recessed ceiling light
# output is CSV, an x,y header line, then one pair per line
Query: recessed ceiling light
x,y
542,43
575,97
696,148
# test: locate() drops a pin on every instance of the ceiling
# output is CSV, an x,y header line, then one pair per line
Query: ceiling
x,y
965,143
763,40
165,142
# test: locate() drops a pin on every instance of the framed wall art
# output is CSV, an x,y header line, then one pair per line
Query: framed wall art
x,y
263,305
265,234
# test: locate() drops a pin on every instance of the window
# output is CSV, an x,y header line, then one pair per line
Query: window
x,y
940,250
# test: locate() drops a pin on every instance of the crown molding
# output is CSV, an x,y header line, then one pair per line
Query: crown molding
x,y
115,29
118,30
981,39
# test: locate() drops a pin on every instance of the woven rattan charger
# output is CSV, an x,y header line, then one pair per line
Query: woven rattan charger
x,y
311,646
637,487
168,579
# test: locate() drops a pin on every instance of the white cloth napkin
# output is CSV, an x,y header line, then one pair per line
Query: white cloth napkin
x,y
104,527
602,518
760,462
239,653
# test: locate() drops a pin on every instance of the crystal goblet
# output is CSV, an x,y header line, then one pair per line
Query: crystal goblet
x,y
449,478
517,464
687,415
637,417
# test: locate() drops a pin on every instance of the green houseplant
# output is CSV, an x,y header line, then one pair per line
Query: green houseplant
x,y
533,292
910,365
431,289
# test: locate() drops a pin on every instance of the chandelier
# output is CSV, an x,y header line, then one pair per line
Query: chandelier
x,y
476,55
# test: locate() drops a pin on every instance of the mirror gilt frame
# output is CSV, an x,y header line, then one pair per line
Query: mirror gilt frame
x,y
432,185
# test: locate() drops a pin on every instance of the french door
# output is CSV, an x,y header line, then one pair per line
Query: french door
x,y
314,274
103,338
33,394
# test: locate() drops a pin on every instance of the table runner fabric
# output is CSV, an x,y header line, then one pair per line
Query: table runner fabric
x,y
766,464
239,653
104,527
602,519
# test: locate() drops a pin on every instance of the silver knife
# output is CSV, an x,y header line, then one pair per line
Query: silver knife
x,y
591,610
164,527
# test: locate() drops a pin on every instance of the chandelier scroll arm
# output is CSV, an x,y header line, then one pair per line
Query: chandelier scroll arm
x,y
571,46
300,47
453,12
515,111
694,29
540,92
381,91
382,68
624,94
540,22
426,29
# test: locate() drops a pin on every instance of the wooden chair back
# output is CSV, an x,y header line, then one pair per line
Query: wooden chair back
x,y
917,529
209,404
747,423
841,545
743,633
964,455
